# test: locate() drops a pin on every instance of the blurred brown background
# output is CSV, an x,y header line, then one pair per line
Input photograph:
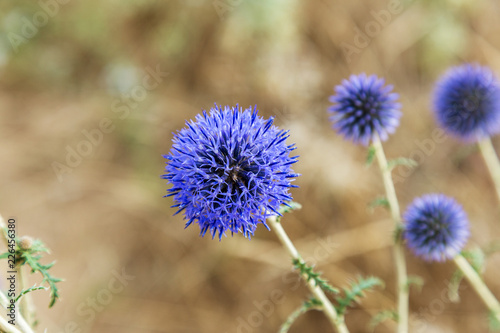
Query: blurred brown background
x,y
84,124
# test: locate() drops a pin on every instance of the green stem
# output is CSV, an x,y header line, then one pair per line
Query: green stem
x,y
398,250
491,160
293,316
20,321
26,305
478,285
335,319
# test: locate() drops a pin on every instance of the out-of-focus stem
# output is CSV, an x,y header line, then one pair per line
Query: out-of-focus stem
x,y
491,160
478,285
398,250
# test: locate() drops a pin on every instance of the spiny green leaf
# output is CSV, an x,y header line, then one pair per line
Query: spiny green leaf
x,y
381,317
371,155
32,257
357,290
391,164
30,289
310,304
316,277
380,201
4,255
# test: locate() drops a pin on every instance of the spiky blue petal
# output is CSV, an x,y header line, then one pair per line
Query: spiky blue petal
x,y
364,108
229,170
436,227
467,102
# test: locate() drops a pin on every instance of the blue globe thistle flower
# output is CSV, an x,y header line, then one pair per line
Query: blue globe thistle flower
x,y
364,108
467,102
436,227
230,170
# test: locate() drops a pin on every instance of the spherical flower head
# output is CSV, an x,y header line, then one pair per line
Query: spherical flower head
x,y
436,227
364,108
230,170
467,102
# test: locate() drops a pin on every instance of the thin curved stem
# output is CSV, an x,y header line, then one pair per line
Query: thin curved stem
x,y
398,250
294,315
479,286
335,319
491,160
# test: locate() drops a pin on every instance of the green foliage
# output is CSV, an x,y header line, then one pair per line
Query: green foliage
x,y
371,155
494,322
415,280
28,290
310,304
380,201
355,291
292,205
381,317
476,257
288,208
311,275
454,285
391,164
31,257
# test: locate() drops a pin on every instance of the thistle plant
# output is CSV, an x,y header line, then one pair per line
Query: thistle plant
x,y
21,252
366,111
467,106
437,229
230,170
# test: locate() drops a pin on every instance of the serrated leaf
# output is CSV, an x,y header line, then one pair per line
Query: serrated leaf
x,y
371,155
28,290
381,317
316,277
356,291
381,201
32,257
391,164
310,304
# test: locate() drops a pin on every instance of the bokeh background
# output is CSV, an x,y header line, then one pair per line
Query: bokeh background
x,y
70,70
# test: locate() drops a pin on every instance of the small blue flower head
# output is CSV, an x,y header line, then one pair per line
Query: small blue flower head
x,y
230,170
467,102
436,227
364,108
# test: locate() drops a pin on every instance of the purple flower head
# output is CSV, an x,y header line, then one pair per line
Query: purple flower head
x,y
467,102
230,170
364,108
436,227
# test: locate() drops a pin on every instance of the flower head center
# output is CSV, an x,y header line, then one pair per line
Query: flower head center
x,y
234,174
